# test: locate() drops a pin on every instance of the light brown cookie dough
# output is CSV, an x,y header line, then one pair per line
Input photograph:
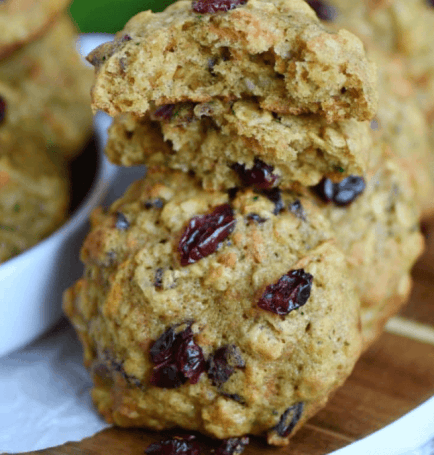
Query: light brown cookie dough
x,y
274,50
24,20
379,234
45,87
215,140
152,271
34,193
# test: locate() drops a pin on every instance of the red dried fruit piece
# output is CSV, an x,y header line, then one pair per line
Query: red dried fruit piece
x,y
291,292
288,420
260,176
223,363
2,109
175,446
232,446
204,234
216,6
164,112
324,11
342,193
177,358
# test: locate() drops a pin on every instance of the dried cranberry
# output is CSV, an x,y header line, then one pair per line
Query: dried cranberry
x,y
215,6
342,193
289,293
177,358
175,446
2,109
275,196
431,3
288,420
121,222
232,446
256,218
223,363
297,209
324,11
164,112
259,176
204,234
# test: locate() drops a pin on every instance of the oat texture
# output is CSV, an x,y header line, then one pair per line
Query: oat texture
x,y
274,50
134,288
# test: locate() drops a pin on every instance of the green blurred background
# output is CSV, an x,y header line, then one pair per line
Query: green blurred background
x,y
109,16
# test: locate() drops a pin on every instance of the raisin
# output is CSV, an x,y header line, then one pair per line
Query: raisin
x,y
215,6
288,420
342,193
324,11
177,358
175,446
2,109
155,203
204,234
260,176
256,218
223,363
291,292
158,280
430,3
297,209
232,446
275,196
164,112
121,222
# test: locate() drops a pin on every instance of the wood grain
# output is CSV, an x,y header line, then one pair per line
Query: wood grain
x,y
390,379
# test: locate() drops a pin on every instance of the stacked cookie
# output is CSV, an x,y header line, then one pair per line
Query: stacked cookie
x,y
45,119
224,292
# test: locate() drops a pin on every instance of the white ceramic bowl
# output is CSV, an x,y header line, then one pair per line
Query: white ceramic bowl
x,y
32,283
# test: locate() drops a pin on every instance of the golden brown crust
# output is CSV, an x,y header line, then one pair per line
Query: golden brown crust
x,y
134,289
275,50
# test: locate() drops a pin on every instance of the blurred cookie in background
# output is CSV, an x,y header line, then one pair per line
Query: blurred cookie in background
x,y
34,192
22,21
44,90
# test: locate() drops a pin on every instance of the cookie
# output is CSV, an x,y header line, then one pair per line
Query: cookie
x,y
250,283
22,21
225,143
275,51
34,193
401,123
398,27
377,228
45,88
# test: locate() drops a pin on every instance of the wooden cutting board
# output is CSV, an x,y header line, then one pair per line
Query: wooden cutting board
x,y
392,378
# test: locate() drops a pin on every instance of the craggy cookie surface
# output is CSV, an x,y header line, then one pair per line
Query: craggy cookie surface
x,y
23,20
224,142
34,193
44,89
227,315
274,50
378,230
